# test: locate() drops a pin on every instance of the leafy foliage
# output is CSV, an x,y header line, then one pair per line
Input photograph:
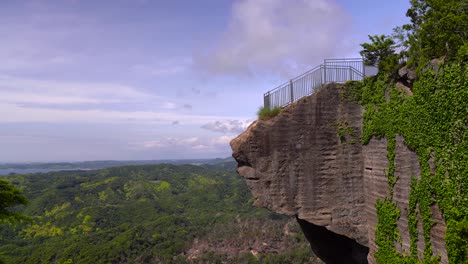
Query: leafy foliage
x,y
381,52
387,233
132,214
265,113
253,232
9,197
344,131
437,29
434,123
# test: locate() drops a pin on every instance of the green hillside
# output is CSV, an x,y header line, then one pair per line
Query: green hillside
x,y
146,214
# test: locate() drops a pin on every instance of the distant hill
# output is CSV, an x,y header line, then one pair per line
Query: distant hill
x,y
102,164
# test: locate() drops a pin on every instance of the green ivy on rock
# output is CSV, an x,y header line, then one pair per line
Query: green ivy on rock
x,y
434,123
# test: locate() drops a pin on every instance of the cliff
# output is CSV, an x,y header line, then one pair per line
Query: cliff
x,y
309,162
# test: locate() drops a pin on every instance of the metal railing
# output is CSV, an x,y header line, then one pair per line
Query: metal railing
x,y
356,63
332,70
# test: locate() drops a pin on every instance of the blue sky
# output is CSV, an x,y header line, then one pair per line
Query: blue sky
x,y
141,79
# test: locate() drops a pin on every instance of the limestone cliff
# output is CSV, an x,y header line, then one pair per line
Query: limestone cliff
x,y
308,162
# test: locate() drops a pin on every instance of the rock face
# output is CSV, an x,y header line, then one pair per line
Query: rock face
x,y
308,162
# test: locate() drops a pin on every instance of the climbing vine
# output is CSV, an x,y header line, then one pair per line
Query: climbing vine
x,y
433,121
344,131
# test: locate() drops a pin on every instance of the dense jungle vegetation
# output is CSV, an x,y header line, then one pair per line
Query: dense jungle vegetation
x,y
146,214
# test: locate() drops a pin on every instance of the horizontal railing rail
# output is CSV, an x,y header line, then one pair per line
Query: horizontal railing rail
x,y
332,70
356,63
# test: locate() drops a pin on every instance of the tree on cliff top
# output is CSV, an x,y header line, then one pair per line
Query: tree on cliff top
x,y
380,52
438,29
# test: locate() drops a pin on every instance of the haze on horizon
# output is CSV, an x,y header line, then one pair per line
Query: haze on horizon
x,y
147,80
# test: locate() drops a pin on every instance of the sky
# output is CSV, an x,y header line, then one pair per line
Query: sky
x,y
149,79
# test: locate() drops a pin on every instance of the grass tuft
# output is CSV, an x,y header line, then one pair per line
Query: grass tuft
x,y
265,113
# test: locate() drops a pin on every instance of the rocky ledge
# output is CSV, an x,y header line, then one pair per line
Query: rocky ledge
x,y
308,162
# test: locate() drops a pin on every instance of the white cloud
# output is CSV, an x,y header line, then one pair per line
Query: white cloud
x,y
228,126
217,144
200,147
155,144
223,140
158,70
164,68
276,36
16,90
168,105
38,98
190,142
16,114
48,101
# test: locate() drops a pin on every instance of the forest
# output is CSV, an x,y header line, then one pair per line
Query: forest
x,y
146,214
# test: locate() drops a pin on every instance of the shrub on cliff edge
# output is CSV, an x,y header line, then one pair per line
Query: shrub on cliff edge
x,y
265,113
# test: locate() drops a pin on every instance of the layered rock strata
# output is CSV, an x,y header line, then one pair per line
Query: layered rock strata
x,y
308,162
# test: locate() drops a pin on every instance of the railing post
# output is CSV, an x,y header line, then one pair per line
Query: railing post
x,y
266,100
350,74
324,74
292,92
363,69
321,76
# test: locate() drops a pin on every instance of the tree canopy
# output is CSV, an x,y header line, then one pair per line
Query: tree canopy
x,y
145,214
9,197
438,29
381,52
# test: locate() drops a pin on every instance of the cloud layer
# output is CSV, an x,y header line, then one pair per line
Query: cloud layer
x,y
275,36
21,90
228,126
215,144
147,79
